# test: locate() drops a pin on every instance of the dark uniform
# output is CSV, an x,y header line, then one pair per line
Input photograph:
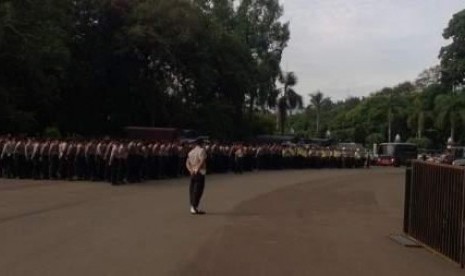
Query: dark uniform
x,y
35,160
19,159
54,155
7,158
91,161
44,157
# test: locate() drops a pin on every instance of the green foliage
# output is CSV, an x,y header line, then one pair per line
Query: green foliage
x,y
423,143
375,138
33,57
260,124
289,100
52,132
453,55
450,111
95,66
92,67
318,101
430,114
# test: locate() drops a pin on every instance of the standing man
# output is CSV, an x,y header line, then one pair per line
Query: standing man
x,y
197,167
239,159
19,158
54,160
35,160
91,170
44,159
114,163
7,158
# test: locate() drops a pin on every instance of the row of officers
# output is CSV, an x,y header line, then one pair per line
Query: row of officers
x,y
123,161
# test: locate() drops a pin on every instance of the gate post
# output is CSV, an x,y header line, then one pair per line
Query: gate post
x,y
408,183
462,234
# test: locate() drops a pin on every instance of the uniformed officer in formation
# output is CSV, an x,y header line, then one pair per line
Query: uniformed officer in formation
x,y
132,161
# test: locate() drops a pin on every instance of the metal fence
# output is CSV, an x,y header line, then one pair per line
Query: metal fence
x,y
434,208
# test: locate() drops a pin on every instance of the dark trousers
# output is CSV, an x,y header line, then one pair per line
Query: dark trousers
x,y
20,161
8,167
36,168
53,167
196,189
239,165
100,168
63,168
44,167
132,168
117,171
79,167
91,168
114,172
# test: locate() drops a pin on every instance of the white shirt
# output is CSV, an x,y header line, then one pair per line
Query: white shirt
x,y
196,160
8,149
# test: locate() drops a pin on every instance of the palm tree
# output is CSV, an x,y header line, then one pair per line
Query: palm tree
x,y
419,114
450,111
289,99
395,105
317,101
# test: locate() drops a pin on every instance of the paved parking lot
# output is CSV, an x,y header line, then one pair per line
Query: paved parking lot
x,y
328,222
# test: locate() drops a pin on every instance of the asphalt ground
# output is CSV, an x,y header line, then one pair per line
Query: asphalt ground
x,y
308,222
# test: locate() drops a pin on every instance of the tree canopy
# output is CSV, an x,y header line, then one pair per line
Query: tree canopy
x,y
95,66
453,55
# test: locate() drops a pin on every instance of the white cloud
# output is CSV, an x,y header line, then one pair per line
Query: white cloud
x,y
354,47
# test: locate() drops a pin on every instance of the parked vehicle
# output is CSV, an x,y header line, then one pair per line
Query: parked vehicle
x,y
459,162
396,154
456,155
385,160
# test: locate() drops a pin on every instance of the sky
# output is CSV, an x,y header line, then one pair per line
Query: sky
x,y
348,48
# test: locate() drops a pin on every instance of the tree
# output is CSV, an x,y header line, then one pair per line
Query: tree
x,y
92,67
453,55
258,24
418,115
422,109
289,100
317,101
34,55
396,103
428,77
450,110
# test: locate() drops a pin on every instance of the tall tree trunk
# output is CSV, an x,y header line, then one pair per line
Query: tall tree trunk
x,y
278,121
421,122
389,125
452,125
282,121
251,106
317,123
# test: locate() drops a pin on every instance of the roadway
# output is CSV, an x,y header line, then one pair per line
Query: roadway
x,y
309,222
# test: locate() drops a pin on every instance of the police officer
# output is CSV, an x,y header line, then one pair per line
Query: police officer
x,y
44,159
19,158
100,160
7,158
62,160
54,155
35,159
79,160
113,163
239,159
91,160
70,156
